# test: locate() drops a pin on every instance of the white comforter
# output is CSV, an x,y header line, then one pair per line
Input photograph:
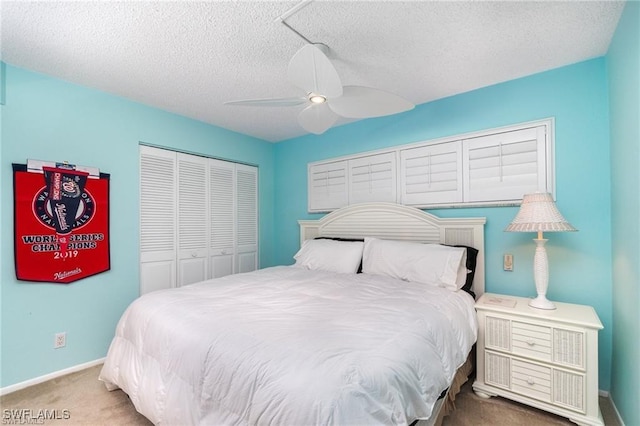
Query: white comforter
x,y
288,346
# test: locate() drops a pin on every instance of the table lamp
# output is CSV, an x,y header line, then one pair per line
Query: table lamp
x,y
538,213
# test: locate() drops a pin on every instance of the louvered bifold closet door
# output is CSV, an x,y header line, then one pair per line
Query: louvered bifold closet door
x,y
373,178
222,218
193,212
247,217
431,174
505,166
157,219
327,186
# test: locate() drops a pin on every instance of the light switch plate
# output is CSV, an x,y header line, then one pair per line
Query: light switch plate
x,y
508,262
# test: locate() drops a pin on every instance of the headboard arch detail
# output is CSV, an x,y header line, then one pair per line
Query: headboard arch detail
x,y
399,222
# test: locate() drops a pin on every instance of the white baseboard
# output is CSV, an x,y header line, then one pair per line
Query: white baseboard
x,y
615,409
50,376
607,395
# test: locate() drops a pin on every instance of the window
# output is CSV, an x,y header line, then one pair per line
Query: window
x,y
431,174
492,167
505,166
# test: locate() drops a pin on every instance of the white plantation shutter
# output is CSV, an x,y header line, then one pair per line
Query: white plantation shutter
x,y
431,174
157,219
505,166
192,218
247,216
327,186
372,178
490,167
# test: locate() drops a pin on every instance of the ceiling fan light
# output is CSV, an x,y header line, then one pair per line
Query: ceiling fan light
x,y
317,99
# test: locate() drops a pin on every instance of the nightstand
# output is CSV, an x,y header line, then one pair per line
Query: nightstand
x,y
547,359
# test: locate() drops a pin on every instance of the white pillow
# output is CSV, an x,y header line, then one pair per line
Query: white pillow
x,y
330,255
432,264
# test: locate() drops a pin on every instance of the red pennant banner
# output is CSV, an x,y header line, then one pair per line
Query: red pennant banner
x,y
61,224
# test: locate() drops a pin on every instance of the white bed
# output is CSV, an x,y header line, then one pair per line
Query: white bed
x,y
292,346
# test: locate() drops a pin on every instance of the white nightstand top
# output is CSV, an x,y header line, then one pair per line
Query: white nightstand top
x,y
567,313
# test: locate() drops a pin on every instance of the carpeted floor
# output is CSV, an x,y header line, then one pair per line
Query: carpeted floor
x,y
471,410
80,399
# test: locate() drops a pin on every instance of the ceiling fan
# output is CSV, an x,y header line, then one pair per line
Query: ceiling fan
x,y
326,98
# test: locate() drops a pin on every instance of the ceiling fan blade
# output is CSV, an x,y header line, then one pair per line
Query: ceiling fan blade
x,y
365,102
313,72
317,118
273,102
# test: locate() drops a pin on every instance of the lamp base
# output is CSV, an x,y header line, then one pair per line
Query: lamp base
x,y
541,302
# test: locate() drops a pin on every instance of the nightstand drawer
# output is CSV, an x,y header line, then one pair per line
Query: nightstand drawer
x,y
531,340
531,380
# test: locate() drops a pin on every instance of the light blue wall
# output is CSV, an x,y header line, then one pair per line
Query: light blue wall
x,y
623,63
576,95
49,119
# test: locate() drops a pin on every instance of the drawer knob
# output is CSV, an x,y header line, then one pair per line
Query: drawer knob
x,y
531,343
530,381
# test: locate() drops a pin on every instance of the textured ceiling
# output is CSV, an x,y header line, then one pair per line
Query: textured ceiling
x,y
190,57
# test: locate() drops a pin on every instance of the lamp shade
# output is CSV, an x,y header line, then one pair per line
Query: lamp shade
x,y
538,213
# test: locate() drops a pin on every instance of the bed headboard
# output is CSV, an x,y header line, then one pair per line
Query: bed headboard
x,y
398,222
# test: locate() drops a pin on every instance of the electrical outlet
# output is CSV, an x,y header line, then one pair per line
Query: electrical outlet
x,y
60,340
508,262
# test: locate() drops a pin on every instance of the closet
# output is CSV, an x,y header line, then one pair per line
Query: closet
x,y
198,218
